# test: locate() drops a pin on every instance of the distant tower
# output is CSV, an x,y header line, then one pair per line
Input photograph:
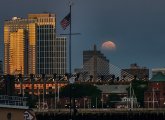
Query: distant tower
x,y
95,63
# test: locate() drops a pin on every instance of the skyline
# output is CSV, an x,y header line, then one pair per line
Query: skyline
x,y
136,27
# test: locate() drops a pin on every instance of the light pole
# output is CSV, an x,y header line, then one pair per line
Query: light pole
x,y
102,100
96,102
44,89
84,102
32,81
70,97
55,101
71,87
20,81
38,97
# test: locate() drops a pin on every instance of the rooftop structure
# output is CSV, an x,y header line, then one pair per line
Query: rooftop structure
x,y
157,70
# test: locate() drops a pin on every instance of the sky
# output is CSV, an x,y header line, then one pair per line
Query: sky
x,y
137,27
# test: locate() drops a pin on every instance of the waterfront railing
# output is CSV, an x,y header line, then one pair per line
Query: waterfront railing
x,y
13,101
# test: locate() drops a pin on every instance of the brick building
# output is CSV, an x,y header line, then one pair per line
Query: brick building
x,y
141,73
154,97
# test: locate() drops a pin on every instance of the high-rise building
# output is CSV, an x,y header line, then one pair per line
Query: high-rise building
x,y
95,63
31,46
60,56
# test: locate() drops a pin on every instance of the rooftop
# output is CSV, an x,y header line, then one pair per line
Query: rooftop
x,y
159,77
113,88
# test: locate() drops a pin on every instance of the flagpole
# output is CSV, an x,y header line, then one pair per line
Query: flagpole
x,y
70,34
67,21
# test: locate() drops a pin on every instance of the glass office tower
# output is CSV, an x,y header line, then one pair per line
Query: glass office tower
x,y
60,56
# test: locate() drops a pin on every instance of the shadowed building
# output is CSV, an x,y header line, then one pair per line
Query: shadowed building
x,y
120,90
95,63
108,90
60,56
141,73
31,45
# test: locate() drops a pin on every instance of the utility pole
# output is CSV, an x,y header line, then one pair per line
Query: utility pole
x,y
131,96
70,37
153,98
54,80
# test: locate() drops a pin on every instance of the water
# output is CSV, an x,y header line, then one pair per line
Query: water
x,y
104,116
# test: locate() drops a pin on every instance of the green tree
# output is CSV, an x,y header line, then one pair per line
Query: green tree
x,y
80,91
31,100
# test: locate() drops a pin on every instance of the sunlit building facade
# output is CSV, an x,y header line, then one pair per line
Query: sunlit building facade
x,y
31,45
15,49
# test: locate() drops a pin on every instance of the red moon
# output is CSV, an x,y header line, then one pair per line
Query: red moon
x,y
108,45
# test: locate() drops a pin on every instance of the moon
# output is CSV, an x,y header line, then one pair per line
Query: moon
x,y
108,45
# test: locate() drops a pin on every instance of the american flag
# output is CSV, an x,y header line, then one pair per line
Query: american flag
x,y
66,21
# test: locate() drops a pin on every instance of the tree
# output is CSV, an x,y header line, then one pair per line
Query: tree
x,y
31,100
80,91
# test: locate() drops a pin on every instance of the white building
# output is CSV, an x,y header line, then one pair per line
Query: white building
x,y
157,70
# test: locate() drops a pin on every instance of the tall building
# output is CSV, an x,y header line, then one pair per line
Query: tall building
x,y
95,63
31,46
60,56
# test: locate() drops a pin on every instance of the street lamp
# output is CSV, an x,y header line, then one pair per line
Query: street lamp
x,y
44,89
71,82
20,81
54,79
32,81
